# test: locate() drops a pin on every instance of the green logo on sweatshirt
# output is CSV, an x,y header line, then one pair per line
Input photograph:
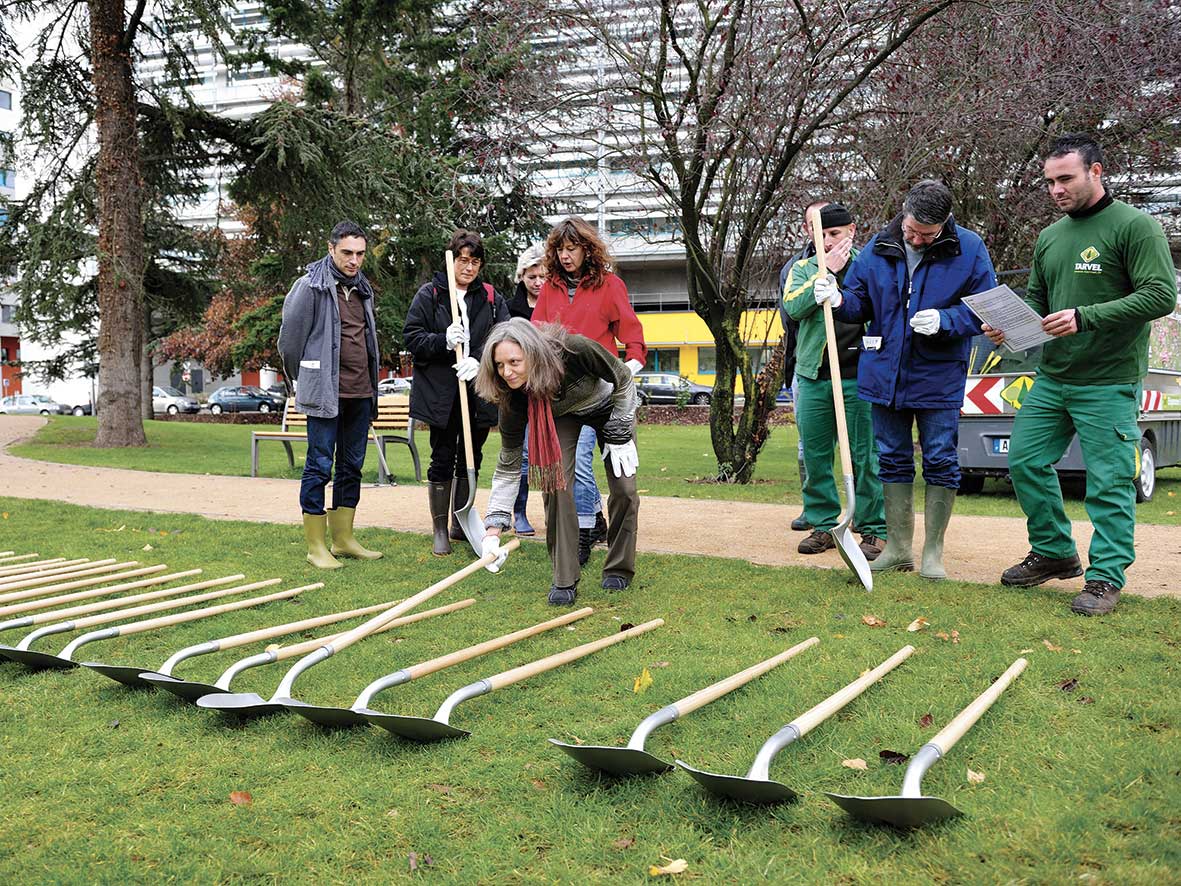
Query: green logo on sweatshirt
x,y
1088,265
1089,254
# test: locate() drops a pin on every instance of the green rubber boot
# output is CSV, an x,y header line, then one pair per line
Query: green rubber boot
x,y
344,543
936,514
897,555
315,527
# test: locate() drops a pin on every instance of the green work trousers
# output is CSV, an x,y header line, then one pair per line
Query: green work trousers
x,y
1105,419
818,433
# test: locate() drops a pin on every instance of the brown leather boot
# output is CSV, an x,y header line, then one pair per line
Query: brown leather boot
x,y
439,496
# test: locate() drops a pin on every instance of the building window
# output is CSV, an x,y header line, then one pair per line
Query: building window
x,y
707,361
5,100
663,360
7,313
7,178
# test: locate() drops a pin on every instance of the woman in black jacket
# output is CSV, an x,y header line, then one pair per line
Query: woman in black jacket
x,y
431,336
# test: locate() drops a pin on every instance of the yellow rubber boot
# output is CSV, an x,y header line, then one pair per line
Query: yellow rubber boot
x,y
344,543
314,528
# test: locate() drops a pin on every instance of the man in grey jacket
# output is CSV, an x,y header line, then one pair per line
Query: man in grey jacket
x,y
328,344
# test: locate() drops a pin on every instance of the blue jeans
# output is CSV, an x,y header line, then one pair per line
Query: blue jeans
x,y
587,501
795,405
939,435
345,437
523,488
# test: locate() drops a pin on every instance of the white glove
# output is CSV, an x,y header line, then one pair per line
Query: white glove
x,y
634,365
826,290
467,368
491,545
456,334
925,322
624,458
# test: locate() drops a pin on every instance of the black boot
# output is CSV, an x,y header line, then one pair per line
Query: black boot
x,y
439,496
1035,569
460,499
800,523
599,533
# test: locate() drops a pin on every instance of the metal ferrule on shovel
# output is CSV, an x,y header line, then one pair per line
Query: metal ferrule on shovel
x,y
355,715
633,759
912,809
250,704
757,786
439,727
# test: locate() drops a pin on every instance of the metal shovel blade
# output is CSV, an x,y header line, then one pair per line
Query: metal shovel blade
x,y
243,705
900,812
414,728
469,520
333,718
739,788
125,674
189,690
39,660
847,545
614,760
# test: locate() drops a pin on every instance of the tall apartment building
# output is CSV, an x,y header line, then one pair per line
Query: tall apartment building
x,y
10,344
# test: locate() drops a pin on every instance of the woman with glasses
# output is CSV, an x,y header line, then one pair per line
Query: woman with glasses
x,y
431,337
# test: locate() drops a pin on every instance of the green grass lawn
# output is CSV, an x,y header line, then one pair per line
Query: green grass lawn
x,y
674,461
110,785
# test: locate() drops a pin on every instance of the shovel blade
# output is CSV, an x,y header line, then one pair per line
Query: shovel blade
x,y
332,718
125,674
469,520
415,728
243,705
899,812
40,661
188,690
846,542
740,789
614,761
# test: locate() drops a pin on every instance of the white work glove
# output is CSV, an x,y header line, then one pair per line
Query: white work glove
x,y
925,322
624,458
491,545
456,334
826,290
634,365
467,368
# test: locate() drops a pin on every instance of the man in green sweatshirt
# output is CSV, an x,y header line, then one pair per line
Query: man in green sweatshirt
x,y
1100,276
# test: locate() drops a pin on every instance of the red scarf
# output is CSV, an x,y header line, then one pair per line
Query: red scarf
x,y
545,452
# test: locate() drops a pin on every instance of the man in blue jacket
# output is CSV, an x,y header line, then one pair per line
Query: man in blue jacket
x,y
328,343
908,284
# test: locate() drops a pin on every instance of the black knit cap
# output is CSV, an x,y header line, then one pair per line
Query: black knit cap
x,y
835,215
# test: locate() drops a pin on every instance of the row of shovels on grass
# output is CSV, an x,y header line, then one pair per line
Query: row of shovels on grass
x,y
909,809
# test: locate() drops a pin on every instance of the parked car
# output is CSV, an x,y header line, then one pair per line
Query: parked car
x,y
32,404
278,389
664,387
394,386
244,398
172,401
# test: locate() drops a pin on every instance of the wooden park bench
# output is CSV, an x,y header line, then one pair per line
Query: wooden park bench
x,y
392,424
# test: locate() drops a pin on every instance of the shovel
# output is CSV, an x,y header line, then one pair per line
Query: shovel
x,y
81,583
10,556
250,704
10,573
912,808
757,787
438,727
23,654
842,533
192,690
355,714
633,759
50,602
65,659
466,516
48,576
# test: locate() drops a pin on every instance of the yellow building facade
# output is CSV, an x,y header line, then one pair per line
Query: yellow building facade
x,y
680,342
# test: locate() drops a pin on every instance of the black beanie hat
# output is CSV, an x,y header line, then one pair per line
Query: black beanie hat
x,y
835,215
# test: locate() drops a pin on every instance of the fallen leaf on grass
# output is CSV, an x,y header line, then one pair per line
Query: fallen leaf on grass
x,y
893,757
164,532
624,843
415,860
441,788
660,664
241,798
114,724
1051,646
975,777
147,548
926,720
538,784
917,625
274,647
873,621
1068,685
392,813
1085,699
954,636
1024,651
643,681
855,763
838,636
679,866
5,514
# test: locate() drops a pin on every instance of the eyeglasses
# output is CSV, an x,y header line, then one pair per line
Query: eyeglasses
x,y
924,236
465,262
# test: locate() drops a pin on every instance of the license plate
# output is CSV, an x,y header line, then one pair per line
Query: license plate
x,y
1000,445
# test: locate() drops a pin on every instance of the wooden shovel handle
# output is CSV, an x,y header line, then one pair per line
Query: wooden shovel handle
x,y
181,617
702,697
50,576
343,641
6,572
812,718
134,611
86,609
82,583
964,720
306,646
515,675
834,357
452,288
452,658
42,570
49,602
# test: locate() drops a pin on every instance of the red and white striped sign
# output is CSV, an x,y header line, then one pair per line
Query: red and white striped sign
x,y
1151,400
983,396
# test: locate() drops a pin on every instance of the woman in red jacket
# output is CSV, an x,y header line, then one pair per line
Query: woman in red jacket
x,y
583,294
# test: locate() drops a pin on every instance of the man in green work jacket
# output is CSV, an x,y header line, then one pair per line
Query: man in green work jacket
x,y
814,403
1100,276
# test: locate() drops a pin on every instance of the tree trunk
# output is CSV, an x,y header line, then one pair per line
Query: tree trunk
x,y
145,370
120,230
